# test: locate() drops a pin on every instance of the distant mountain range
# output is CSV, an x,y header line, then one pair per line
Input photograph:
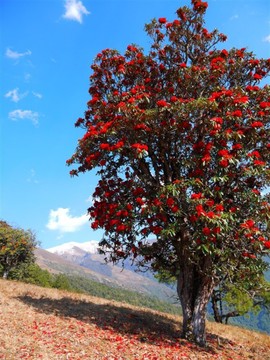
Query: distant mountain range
x,y
73,247
82,259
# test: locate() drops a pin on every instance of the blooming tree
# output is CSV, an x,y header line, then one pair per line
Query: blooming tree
x,y
16,247
180,139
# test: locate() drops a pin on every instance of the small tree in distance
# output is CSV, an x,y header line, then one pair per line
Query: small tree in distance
x,y
16,247
180,139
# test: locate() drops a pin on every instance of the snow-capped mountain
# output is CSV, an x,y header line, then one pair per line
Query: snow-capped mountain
x,y
73,248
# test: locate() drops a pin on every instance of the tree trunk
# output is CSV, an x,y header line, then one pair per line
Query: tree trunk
x,y
215,298
5,274
195,286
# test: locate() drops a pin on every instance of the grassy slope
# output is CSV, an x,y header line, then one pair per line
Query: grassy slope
x,y
38,323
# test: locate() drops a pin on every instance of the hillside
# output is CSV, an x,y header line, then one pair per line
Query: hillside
x,y
38,323
93,267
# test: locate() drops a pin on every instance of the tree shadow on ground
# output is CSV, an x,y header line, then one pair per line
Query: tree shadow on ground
x,y
148,326
123,319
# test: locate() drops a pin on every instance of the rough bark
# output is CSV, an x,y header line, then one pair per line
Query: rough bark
x,y
217,313
195,286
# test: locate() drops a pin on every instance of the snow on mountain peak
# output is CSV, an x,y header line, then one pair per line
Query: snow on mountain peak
x,y
70,247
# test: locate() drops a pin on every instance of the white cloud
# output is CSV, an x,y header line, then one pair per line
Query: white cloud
x,y
61,220
16,55
75,10
267,38
24,115
15,95
37,95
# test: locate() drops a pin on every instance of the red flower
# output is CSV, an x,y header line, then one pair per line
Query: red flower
x,y
219,207
199,5
210,202
216,230
102,162
131,100
156,229
162,20
241,99
175,208
170,202
223,153
237,113
258,162
193,218
206,231
140,147
138,191
206,158
174,99
139,201
121,227
210,214
118,145
248,224
196,196
142,127
252,88
129,207
95,224
157,202
104,146
257,124
162,103
237,147
264,104
255,154
267,244
257,77
200,210
217,120
224,52
121,105
224,163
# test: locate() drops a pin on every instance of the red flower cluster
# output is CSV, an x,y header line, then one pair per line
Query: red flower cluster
x,y
162,20
199,5
162,103
140,147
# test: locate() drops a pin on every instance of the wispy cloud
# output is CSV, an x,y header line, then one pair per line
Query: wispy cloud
x,y
32,178
74,10
27,77
15,95
267,38
16,55
61,220
19,114
37,95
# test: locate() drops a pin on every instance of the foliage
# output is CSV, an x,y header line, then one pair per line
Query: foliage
x,y
94,288
180,140
16,247
32,274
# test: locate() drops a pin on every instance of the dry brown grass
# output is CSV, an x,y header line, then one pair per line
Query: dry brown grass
x,y
38,323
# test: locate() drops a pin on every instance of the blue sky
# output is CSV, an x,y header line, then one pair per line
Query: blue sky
x,y
47,48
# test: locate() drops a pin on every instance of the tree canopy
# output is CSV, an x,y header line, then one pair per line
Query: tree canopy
x,y
180,138
16,247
